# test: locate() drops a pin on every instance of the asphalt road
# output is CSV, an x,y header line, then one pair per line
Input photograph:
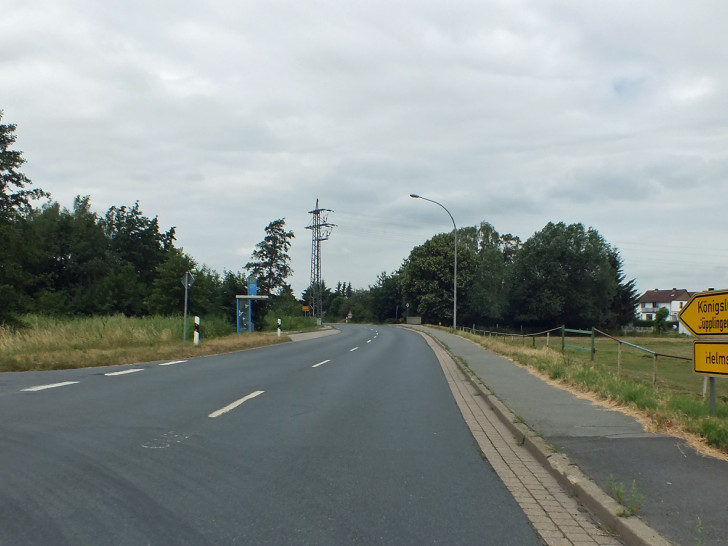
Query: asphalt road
x,y
349,439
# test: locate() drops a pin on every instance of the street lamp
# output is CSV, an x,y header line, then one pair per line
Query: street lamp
x,y
455,266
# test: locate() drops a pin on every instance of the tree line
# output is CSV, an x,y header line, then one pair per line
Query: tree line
x,y
61,261
75,261
563,274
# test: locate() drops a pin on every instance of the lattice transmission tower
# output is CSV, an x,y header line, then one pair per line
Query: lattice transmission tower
x,y
320,231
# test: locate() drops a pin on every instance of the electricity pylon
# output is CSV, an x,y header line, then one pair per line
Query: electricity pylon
x,y
320,231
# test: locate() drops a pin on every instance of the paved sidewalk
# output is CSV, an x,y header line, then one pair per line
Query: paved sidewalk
x,y
686,494
556,516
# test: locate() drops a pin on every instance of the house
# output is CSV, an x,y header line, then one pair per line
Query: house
x,y
673,300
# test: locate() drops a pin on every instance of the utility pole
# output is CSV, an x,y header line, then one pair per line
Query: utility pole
x,y
320,231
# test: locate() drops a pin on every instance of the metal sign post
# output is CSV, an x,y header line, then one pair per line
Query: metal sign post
x,y
187,281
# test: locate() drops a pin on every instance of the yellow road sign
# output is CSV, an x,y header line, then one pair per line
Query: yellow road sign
x,y
706,314
710,357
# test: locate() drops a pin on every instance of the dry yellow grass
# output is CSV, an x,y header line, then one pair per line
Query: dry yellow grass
x,y
47,343
82,358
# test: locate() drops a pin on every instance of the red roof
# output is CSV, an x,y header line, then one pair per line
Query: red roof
x,y
666,296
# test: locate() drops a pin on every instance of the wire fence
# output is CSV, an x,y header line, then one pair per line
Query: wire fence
x,y
587,341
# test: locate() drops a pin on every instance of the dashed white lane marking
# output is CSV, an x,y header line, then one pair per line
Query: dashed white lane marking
x,y
369,341
235,404
320,363
51,386
354,349
124,372
173,362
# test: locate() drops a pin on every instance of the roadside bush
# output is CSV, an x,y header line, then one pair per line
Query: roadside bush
x,y
589,376
714,432
689,407
557,372
289,324
640,395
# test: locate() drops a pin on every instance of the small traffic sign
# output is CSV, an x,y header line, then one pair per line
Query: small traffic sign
x,y
706,314
710,357
188,280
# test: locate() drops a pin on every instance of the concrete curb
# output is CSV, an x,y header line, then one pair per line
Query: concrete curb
x,y
631,530
314,334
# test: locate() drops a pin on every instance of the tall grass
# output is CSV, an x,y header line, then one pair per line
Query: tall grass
x,y
44,342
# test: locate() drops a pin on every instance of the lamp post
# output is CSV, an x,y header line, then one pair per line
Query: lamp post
x,y
455,266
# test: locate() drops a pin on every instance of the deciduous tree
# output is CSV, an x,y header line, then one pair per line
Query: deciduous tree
x,y
563,275
427,277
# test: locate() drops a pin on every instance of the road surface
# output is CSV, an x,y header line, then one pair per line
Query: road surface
x,y
348,439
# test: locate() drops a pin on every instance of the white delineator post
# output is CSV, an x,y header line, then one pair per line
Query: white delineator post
x,y
197,331
279,327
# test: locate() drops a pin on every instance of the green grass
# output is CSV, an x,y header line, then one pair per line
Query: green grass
x,y
675,400
631,501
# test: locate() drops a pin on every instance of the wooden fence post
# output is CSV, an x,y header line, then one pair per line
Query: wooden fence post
x,y
593,347
619,359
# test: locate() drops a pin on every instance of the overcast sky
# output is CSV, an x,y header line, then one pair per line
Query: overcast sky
x,y
219,117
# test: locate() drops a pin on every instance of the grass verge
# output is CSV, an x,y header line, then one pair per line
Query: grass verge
x,y
47,343
674,406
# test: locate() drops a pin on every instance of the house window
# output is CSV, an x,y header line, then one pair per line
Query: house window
x,y
649,317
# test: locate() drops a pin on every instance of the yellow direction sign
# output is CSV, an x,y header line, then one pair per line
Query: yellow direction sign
x,y
710,357
706,314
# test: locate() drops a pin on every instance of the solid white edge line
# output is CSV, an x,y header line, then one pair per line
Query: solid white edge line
x,y
234,404
51,386
172,362
124,372
354,349
320,363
